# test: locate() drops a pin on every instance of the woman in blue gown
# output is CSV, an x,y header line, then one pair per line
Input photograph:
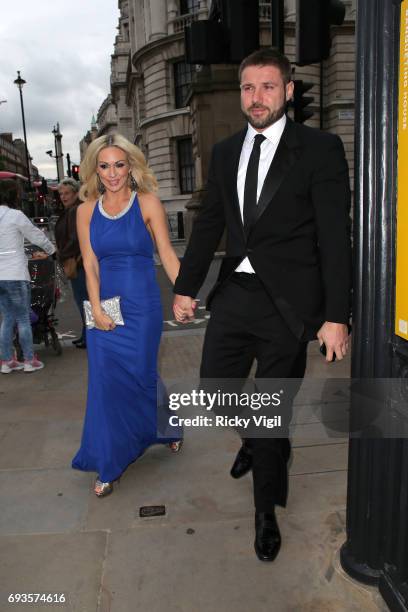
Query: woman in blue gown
x,y
115,231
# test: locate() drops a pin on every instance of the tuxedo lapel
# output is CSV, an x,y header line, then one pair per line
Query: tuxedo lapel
x,y
286,155
232,173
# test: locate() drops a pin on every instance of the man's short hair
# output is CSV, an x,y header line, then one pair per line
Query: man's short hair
x,y
268,57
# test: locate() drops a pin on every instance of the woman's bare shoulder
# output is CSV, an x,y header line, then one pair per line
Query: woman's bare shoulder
x,y
86,209
150,204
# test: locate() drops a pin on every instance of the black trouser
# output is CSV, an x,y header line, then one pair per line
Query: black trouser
x,y
244,326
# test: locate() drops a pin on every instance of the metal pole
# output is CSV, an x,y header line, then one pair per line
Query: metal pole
x,y
68,165
54,131
321,95
25,136
277,24
369,502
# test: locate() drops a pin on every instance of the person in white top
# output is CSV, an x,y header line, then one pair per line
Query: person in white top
x,y
15,293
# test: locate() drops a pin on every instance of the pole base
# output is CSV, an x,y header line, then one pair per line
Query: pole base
x,y
359,571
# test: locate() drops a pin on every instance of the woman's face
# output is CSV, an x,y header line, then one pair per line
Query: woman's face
x,y
113,168
68,195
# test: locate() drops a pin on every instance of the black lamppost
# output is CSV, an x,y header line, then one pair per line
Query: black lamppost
x,y
20,83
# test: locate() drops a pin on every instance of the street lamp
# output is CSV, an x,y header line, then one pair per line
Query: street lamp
x,y
20,83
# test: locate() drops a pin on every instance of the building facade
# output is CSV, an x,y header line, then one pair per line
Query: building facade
x,y
13,156
176,111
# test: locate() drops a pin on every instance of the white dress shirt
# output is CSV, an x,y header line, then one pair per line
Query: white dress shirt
x,y
268,149
14,227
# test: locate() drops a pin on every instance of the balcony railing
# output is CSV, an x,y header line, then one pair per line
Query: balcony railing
x,y
264,11
178,24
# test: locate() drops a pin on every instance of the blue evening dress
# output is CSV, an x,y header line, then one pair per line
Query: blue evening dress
x,y
124,389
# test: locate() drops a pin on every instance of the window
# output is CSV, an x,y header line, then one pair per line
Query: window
x,y
189,6
186,165
182,81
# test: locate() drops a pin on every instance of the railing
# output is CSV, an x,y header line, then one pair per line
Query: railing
x,y
264,11
178,24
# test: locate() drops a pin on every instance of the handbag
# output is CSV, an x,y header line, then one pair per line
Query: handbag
x,y
110,306
70,266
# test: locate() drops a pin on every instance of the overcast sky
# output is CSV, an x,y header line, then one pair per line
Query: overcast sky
x,y
62,49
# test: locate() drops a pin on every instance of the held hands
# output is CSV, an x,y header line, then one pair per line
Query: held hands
x,y
183,308
103,321
335,337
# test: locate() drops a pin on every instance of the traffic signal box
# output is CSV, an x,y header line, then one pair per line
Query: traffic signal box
x,y
313,20
230,34
300,101
75,172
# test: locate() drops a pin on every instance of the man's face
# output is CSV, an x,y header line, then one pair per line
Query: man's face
x,y
264,95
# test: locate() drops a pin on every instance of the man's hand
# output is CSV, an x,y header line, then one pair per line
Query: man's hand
x,y
335,337
183,308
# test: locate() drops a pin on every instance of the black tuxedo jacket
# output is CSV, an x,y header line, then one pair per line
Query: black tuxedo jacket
x,y
299,243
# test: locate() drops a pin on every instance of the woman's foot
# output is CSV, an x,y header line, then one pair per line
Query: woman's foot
x,y
11,365
175,447
31,365
102,489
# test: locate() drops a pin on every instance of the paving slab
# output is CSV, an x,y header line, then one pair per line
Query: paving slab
x,y
43,501
49,444
69,564
168,567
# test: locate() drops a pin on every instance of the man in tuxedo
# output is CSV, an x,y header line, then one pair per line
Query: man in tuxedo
x,y
281,192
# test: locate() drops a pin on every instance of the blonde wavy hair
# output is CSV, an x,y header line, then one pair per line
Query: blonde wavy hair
x,y
143,175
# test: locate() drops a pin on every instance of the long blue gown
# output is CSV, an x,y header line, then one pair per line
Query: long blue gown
x,y
121,415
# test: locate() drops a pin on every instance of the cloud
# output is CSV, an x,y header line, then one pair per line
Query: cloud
x,y
63,51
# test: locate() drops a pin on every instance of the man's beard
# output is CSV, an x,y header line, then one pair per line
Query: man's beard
x,y
262,123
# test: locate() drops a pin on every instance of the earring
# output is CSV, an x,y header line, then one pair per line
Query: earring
x,y
101,186
132,182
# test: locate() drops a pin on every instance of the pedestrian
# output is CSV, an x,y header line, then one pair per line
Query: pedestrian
x,y
281,191
69,253
116,224
15,292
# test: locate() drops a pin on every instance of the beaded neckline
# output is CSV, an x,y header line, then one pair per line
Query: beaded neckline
x,y
122,212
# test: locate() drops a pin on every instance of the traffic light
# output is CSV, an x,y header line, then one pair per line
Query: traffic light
x,y
230,34
300,101
313,20
75,172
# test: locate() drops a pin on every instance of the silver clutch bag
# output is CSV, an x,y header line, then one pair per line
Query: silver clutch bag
x,y
110,306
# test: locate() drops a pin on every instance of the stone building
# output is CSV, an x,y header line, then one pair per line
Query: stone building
x,y
88,138
13,157
175,111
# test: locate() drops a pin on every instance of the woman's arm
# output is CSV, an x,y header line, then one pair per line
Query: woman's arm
x,y
155,218
91,266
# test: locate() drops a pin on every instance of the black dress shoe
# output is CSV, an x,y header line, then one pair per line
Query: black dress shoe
x,y
81,345
242,463
267,536
77,340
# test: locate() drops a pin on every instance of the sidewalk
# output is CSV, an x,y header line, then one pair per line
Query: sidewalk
x,y
57,537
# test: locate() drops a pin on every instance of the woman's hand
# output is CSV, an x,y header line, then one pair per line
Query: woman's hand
x,y
103,321
39,255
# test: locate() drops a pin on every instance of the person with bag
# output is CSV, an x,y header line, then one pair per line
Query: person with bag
x,y
15,290
117,223
69,253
